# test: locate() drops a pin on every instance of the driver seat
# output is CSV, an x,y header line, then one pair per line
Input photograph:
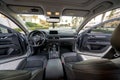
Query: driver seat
x,y
32,62
97,69
35,62
36,65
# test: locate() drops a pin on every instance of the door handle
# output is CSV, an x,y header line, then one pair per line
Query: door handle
x,y
4,37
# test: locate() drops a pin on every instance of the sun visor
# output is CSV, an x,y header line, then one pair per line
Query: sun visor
x,y
71,12
26,9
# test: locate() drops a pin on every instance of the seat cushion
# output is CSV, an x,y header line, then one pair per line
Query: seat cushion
x,y
37,74
14,75
35,62
71,57
101,69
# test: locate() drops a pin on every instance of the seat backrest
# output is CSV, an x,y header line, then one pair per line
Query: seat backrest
x,y
101,69
115,40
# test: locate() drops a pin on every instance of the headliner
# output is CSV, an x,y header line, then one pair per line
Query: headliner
x,y
60,5
85,8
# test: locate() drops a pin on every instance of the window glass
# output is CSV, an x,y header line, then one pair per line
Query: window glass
x,y
3,30
38,22
7,22
104,17
107,28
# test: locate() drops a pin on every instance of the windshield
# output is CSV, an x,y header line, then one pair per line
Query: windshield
x,y
36,22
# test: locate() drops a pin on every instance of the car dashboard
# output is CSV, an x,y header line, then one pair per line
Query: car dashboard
x,y
56,36
58,42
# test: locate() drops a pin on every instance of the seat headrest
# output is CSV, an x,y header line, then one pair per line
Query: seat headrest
x,y
115,40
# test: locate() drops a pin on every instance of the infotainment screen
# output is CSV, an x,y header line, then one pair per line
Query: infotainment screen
x,y
53,32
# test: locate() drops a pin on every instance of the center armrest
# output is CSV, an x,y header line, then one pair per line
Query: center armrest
x,y
54,69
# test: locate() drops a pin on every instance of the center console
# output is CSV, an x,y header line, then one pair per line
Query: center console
x,y
54,68
54,48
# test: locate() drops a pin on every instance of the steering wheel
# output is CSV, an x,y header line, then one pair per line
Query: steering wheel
x,y
36,38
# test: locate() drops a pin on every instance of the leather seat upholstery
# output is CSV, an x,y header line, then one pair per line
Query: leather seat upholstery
x,y
101,69
115,40
32,63
35,62
14,75
21,75
93,70
70,58
37,74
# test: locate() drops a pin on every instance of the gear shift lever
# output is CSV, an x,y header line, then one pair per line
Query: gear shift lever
x,y
53,52
54,48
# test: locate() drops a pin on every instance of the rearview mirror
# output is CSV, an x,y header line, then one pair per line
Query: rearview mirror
x,y
53,19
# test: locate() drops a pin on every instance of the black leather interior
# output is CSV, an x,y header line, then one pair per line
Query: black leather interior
x,y
95,70
37,74
21,75
54,70
101,69
35,62
71,57
15,75
68,59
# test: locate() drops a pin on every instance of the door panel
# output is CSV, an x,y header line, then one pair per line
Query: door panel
x,y
9,44
11,53
96,43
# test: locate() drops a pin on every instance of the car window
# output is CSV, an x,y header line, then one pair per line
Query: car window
x,y
3,30
107,28
67,23
103,17
7,22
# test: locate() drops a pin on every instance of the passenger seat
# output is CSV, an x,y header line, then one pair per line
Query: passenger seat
x,y
71,57
97,69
